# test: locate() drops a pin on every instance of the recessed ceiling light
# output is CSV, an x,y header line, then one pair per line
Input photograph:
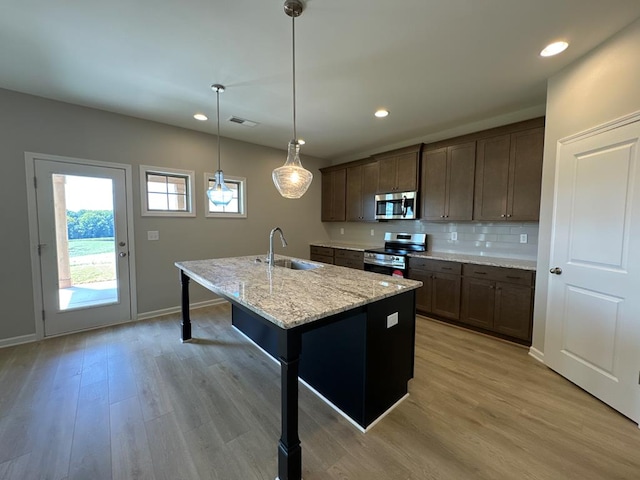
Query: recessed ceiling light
x,y
554,49
381,113
200,116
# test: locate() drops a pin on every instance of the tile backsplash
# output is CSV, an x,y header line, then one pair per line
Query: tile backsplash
x,y
500,239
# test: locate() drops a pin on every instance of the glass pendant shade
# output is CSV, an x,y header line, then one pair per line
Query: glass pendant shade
x,y
292,180
220,194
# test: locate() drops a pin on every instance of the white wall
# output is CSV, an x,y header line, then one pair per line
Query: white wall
x,y
602,86
29,123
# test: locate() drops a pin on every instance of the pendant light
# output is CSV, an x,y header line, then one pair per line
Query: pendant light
x,y
219,194
292,180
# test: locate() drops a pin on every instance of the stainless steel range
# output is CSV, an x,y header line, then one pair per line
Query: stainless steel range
x,y
392,259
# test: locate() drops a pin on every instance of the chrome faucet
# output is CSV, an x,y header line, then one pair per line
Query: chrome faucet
x,y
270,258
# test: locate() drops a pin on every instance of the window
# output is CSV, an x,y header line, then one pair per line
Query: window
x,y
237,208
166,192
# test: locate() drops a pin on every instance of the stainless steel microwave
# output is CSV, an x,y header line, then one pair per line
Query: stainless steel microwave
x,y
396,206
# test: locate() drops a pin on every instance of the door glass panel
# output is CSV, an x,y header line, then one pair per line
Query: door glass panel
x,y
85,236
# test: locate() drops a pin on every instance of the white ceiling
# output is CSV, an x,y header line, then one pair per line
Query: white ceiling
x,y
434,64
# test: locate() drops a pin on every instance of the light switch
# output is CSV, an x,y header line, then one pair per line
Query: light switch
x,y
454,236
373,232
153,235
342,231
392,320
524,238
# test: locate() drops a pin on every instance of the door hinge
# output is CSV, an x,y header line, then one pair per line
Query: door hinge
x,y
35,182
40,245
43,315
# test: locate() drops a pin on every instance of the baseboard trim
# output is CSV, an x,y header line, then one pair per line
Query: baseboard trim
x,y
537,354
10,342
178,309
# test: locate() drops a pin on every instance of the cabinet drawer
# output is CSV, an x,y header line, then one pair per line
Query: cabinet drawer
x,y
442,266
348,254
350,263
500,274
321,258
326,251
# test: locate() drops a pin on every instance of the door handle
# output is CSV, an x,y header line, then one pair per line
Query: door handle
x,y
122,254
556,270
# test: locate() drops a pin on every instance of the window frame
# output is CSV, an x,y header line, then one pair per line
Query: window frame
x,y
166,171
242,197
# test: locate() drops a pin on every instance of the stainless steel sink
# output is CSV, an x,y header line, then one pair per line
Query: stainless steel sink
x,y
296,264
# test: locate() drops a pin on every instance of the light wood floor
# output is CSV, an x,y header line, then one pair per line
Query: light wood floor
x,y
132,402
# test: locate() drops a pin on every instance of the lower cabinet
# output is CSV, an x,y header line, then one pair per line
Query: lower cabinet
x,y
348,258
498,300
321,254
494,300
440,292
337,256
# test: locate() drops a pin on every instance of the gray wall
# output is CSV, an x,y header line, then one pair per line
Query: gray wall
x,y
602,86
29,123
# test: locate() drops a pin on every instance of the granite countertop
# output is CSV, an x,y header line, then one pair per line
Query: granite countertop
x,y
359,247
479,260
289,298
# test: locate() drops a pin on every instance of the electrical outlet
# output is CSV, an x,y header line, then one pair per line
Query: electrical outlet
x,y
153,235
342,231
373,232
524,238
392,320
454,236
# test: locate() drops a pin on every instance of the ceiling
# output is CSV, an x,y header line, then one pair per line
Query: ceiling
x,y
434,64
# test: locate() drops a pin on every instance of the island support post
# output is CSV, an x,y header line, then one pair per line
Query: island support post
x,y
186,318
289,449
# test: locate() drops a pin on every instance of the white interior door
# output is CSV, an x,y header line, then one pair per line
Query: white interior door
x,y
83,245
593,312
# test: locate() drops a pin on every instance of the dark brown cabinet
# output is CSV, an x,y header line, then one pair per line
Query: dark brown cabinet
x,y
498,300
337,256
321,254
509,176
440,292
448,175
398,170
362,184
349,258
334,195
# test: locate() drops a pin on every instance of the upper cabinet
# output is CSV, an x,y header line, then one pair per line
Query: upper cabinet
x,y
362,184
398,170
509,176
447,182
333,195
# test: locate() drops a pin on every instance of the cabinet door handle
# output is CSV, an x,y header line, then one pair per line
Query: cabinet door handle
x,y
447,268
508,216
513,278
503,215
480,273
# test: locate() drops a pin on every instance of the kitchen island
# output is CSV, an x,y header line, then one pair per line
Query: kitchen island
x,y
349,334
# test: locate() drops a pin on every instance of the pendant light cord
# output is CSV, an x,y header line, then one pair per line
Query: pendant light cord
x,y
293,30
218,114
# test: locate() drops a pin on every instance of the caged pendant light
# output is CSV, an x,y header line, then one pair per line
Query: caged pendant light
x,y
292,180
219,194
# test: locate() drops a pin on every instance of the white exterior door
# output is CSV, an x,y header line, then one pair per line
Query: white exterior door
x,y
83,245
593,312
